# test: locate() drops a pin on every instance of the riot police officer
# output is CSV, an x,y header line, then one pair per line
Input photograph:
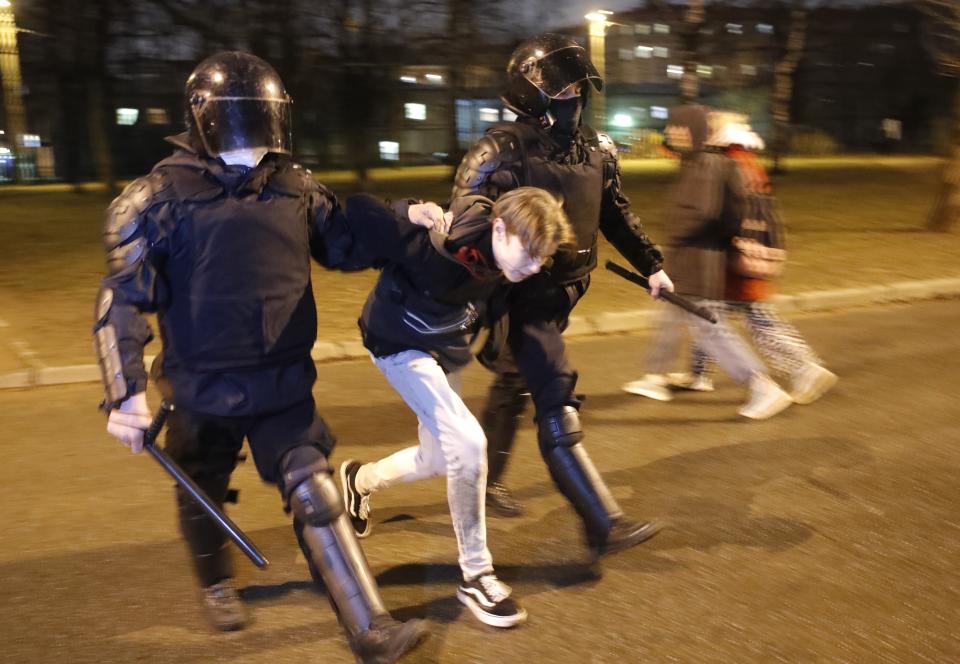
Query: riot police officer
x,y
217,241
548,146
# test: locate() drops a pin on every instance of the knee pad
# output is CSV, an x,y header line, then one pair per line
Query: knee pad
x,y
316,501
308,488
559,428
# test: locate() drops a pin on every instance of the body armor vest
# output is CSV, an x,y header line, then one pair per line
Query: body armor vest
x,y
580,186
240,294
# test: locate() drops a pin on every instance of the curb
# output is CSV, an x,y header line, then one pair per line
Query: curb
x,y
609,322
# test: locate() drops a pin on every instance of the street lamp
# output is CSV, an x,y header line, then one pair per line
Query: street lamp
x,y
12,83
597,21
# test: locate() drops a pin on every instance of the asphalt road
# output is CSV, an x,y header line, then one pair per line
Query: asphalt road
x,y
827,534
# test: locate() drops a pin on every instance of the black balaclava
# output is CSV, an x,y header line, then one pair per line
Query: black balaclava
x,y
566,116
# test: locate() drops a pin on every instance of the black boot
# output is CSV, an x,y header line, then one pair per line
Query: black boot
x,y
622,535
223,606
387,640
572,470
501,502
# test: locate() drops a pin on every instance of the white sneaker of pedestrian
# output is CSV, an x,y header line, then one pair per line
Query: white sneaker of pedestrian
x,y
766,399
811,382
653,386
690,381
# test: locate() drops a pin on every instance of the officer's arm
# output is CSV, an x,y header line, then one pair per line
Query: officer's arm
x,y
134,237
617,223
490,168
331,242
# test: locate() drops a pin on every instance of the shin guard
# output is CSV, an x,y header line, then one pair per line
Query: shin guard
x,y
574,473
328,541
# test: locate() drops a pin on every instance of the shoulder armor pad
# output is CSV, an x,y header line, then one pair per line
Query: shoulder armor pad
x,y
125,213
294,180
495,149
606,144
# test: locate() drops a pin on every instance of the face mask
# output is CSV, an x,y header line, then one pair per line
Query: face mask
x,y
249,157
566,115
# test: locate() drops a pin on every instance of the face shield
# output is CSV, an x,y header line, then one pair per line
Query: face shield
x,y
232,124
553,73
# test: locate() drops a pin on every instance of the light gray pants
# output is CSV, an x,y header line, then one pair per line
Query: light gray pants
x,y
452,442
719,341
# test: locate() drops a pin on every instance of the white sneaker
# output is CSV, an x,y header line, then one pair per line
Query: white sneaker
x,y
690,381
811,382
766,399
653,386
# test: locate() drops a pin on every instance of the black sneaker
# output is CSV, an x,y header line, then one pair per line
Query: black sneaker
x,y
501,502
358,505
622,535
488,598
224,608
387,640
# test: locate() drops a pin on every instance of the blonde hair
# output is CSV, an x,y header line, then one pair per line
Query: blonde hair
x,y
537,217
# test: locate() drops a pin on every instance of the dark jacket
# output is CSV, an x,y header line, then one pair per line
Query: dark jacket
x,y
222,255
432,290
585,174
703,215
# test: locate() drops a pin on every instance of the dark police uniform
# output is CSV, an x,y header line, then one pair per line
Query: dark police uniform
x,y
581,167
222,255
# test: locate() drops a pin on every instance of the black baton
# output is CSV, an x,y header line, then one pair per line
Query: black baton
x,y
222,520
666,295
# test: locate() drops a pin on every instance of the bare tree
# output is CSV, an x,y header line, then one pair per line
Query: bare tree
x,y
943,40
786,66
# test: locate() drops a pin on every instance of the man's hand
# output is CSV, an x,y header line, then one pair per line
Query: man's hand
x,y
431,216
659,281
128,422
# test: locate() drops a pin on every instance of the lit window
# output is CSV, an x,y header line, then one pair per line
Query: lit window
x,y
508,115
622,120
2,132
389,150
489,115
408,79
642,29
626,54
644,51
661,28
415,111
734,28
674,71
658,112
127,116
157,116
434,78
748,70
661,52
30,140
706,71
626,30
765,28
4,151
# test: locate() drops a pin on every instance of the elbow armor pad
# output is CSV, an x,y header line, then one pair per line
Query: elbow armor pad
x,y
107,350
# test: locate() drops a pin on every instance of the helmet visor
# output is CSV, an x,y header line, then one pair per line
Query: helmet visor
x,y
557,71
245,123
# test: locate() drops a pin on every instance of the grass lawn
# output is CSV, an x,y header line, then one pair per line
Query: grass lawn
x,y
852,221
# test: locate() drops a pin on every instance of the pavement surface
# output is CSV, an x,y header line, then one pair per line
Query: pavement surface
x,y
826,534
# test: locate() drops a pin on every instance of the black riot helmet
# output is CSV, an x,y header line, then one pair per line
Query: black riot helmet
x,y
236,101
542,68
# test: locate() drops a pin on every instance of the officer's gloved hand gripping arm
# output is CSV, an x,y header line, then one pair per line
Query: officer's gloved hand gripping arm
x,y
623,229
135,241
